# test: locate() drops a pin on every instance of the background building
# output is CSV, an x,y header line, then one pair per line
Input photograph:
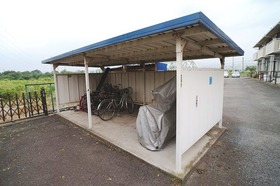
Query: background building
x,y
268,55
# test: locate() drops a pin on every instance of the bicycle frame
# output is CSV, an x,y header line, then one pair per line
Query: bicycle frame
x,y
121,102
108,107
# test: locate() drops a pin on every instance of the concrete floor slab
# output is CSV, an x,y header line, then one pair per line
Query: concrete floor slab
x,y
121,131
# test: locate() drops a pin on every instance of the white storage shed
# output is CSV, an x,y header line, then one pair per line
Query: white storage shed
x,y
199,96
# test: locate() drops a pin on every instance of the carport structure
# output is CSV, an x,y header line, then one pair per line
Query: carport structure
x,y
199,95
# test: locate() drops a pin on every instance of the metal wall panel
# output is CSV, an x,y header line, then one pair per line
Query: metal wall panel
x,y
168,75
125,80
119,80
159,78
132,83
63,90
92,81
72,87
150,85
200,105
139,87
112,79
81,85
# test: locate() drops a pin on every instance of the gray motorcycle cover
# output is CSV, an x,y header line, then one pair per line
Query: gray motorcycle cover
x,y
156,122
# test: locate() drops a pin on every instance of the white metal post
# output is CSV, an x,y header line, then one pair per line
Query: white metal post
x,y
222,60
56,88
88,94
144,82
180,44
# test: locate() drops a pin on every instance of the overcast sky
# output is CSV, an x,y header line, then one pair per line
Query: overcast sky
x,y
34,30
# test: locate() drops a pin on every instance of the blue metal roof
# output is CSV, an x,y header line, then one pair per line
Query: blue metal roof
x,y
189,20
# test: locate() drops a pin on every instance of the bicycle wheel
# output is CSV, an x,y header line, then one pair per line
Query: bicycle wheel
x,y
84,104
106,109
129,105
95,102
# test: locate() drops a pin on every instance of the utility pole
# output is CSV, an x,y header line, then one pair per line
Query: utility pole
x,y
232,63
242,63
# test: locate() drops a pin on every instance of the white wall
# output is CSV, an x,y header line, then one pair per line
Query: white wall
x,y
63,90
72,86
200,104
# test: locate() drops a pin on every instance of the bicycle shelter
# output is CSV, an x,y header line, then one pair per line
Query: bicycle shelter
x,y
199,92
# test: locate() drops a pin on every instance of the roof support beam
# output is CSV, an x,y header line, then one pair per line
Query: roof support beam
x,y
56,87
192,45
224,49
210,42
144,53
222,61
210,52
86,62
194,31
134,43
97,57
77,63
153,58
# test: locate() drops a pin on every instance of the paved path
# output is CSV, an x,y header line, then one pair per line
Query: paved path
x,y
249,152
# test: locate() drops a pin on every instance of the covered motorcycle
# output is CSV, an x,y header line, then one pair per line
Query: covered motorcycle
x,y
156,122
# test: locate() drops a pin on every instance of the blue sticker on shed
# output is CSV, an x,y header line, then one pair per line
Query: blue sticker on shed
x,y
210,80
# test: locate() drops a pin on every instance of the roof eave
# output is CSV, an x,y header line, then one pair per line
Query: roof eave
x,y
268,35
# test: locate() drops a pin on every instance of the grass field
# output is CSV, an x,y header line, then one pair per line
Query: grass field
x,y
18,86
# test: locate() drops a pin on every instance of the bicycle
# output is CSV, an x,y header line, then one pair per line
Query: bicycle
x,y
108,107
107,91
95,100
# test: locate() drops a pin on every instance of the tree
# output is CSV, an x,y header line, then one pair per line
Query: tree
x,y
11,75
171,66
64,71
26,75
251,70
36,71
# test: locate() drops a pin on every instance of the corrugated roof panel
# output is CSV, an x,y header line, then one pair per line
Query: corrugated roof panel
x,y
196,27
